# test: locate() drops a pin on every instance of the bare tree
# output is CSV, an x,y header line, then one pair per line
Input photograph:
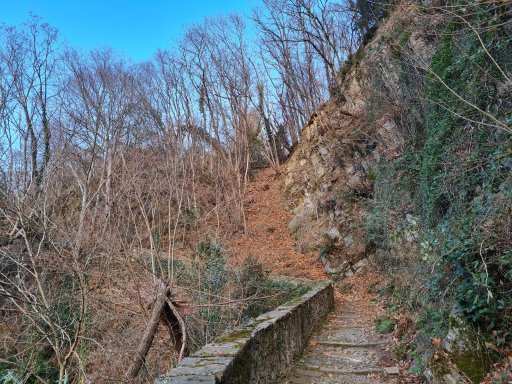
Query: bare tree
x,y
102,160
29,59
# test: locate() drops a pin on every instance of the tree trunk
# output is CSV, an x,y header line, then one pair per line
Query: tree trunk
x,y
163,308
149,334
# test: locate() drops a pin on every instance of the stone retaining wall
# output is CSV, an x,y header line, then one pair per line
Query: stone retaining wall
x,y
261,351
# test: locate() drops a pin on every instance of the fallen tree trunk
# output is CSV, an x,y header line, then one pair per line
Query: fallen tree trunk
x,y
163,308
177,329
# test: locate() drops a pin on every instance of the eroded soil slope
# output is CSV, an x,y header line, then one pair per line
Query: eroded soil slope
x,y
268,238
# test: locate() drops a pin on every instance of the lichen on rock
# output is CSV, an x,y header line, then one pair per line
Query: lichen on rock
x,y
465,347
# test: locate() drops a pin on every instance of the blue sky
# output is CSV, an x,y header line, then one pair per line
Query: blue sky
x,y
133,28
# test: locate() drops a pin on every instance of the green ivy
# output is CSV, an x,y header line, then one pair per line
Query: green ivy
x,y
457,180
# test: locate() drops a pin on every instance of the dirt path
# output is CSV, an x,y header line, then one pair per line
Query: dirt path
x,y
267,237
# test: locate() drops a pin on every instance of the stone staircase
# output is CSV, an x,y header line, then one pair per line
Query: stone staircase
x,y
302,341
346,350
262,351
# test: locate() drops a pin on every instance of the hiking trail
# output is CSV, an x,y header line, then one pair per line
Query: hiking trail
x,y
348,348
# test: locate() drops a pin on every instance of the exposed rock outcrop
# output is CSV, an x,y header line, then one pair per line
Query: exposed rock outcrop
x,y
329,178
462,357
466,347
441,370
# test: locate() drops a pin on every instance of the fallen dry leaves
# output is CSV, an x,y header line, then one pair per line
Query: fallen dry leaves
x,y
268,238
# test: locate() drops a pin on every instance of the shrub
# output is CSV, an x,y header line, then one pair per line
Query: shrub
x,y
385,325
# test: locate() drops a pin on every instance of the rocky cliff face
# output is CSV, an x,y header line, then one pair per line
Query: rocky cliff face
x,y
329,178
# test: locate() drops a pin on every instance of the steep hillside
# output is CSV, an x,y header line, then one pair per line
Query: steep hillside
x,y
329,179
267,238
409,170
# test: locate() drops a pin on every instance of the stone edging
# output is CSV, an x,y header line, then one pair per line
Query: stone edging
x,y
261,351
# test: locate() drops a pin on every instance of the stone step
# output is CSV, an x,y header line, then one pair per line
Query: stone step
x,y
317,377
353,358
364,371
340,344
346,327
347,379
388,371
355,321
348,317
351,337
